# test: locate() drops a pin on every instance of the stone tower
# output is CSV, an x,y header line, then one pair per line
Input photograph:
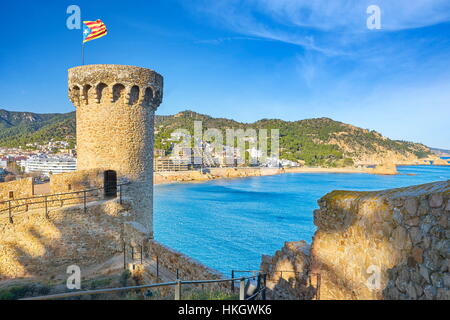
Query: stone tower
x,y
115,108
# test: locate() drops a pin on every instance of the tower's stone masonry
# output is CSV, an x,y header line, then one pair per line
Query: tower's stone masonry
x,y
115,118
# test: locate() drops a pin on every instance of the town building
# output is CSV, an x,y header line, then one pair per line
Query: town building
x,y
48,165
167,164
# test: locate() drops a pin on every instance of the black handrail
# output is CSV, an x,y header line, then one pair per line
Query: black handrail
x,y
177,283
317,275
60,194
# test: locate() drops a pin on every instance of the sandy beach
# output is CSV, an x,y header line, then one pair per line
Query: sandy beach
x,y
231,173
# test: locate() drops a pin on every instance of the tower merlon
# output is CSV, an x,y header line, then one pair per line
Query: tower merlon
x,y
115,83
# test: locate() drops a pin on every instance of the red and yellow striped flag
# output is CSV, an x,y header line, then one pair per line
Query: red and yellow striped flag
x,y
94,30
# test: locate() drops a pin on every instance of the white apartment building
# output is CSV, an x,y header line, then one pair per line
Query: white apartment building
x,y
50,165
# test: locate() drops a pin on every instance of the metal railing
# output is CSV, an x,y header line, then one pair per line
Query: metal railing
x,y
177,288
21,205
261,278
270,274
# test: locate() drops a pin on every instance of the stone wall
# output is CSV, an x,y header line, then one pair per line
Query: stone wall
x,y
36,247
288,272
392,244
169,259
188,268
169,262
22,188
75,181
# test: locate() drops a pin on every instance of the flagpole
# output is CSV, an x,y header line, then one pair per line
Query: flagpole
x,y
82,48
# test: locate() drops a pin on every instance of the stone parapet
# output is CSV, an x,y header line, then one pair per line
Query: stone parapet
x,y
105,83
392,244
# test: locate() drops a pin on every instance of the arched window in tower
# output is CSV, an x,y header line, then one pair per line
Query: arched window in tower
x,y
148,97
86,91
118,91
100,90
134,95
75,95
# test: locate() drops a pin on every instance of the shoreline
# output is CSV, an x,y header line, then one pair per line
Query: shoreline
x,y
168,177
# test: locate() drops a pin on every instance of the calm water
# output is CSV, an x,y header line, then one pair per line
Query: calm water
x,y
228,224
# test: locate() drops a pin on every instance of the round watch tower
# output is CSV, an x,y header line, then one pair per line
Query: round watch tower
x,y
115,121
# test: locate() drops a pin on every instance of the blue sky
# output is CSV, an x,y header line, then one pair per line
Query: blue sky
x,y
247,60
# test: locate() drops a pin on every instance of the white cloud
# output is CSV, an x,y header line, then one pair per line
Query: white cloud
x,y
347,71
327,15
293,21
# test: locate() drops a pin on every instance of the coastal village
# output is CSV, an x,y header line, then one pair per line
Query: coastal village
x,y
99,215
182,164
238,151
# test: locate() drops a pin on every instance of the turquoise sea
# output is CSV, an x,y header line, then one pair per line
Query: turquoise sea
x,y
229,224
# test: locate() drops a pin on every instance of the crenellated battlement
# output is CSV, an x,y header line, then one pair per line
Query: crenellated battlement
x,y
115,84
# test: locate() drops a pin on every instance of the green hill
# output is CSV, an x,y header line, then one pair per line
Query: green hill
x,y
20,128
317,142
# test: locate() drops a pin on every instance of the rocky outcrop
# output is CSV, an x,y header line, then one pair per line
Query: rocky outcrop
x,y
180,176
441,162
212,173
385,169
392,244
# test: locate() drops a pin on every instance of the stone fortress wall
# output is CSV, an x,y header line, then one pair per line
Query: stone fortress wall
x,y
402,233
115,119
77,181
22,188
188,268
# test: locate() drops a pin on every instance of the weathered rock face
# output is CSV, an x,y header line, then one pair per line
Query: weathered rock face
x,y
392,244
385,169
289,272
115,119
441,162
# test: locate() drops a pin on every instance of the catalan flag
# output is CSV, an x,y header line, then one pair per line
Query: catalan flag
x,y
93,30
